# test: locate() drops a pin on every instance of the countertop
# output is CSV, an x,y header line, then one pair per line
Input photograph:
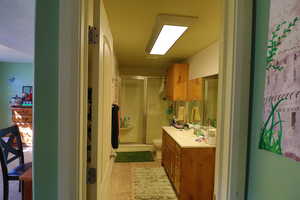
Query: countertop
x,y
185,138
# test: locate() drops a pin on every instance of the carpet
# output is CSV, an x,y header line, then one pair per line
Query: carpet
x,y
141,156
151,184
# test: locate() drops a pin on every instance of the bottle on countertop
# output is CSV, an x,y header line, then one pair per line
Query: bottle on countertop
x,y
128,122
121,122
125,122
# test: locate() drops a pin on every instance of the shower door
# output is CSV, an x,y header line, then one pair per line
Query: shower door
x,y
143,101
156,108
133,107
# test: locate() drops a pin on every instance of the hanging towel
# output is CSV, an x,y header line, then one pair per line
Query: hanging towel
x,y
195,114
181,113
115,127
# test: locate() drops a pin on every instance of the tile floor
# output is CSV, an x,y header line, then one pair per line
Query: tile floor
x,y
14,193
122,179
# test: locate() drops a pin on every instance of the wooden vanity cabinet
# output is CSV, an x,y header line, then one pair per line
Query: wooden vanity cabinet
x,y
190,170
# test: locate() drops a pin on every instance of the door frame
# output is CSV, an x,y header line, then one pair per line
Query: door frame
x,y
233,102
73,84
234,92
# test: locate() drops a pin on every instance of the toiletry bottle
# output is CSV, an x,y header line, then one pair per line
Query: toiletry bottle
x,y
121,122
128,121
125,122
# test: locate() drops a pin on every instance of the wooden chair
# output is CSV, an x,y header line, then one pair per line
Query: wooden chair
x,y
11,150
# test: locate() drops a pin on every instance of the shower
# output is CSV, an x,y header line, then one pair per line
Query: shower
x,y
143,107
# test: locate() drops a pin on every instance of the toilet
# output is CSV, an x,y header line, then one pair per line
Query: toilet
x,y
157,143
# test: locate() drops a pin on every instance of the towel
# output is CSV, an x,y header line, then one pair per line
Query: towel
x,y
115,127
195,114
181,113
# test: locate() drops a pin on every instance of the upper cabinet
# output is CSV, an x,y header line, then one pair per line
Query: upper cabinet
x,y
195,89
177,81
180,88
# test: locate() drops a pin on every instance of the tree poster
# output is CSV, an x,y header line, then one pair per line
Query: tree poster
x,y
280,133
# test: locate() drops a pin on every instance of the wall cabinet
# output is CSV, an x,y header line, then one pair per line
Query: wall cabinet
x,y
195,89
179,87
177,80
190,170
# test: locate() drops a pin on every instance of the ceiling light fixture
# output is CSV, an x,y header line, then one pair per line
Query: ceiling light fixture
x,y
166,39
167,30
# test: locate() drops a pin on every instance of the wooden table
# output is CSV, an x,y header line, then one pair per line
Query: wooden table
x,y
26,178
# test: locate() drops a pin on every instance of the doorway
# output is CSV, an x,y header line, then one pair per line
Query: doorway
x,y
153,110
226,52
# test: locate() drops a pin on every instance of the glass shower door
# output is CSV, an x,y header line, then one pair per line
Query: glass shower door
x,y
156,109
133,110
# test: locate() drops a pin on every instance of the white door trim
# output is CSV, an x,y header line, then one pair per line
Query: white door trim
x,y
72,99
233,105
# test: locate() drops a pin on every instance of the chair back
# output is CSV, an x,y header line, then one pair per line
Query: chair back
x,y
3,166
11,145
5,177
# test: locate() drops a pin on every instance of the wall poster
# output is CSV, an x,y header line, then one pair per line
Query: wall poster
x,y
281,129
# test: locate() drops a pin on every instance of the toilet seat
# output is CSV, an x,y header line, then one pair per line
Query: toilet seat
x,y
157,143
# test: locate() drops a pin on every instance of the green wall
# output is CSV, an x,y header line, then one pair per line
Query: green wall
x,y
13,76
270,176
46,100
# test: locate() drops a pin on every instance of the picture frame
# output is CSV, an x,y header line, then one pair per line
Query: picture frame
x,y
27,90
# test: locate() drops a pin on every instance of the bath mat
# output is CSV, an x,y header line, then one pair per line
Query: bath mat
x,y
151,184
140,156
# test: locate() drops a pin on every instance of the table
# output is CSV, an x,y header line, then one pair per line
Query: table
x,y
26,178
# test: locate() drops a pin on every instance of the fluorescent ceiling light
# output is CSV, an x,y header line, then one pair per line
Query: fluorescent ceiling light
x,y
166,39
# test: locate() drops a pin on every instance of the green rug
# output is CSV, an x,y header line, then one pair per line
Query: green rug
x,y
140,156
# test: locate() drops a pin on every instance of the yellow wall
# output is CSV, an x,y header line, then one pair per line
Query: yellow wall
x,y
144,71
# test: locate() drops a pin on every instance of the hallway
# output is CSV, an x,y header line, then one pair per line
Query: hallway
x,y
126,184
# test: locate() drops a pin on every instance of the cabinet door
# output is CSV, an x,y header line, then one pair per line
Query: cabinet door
x,y
168,161
163,148
177,80
177,169
172,164
198,165
195,89
180,82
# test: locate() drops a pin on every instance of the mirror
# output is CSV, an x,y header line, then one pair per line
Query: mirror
x,y
210,101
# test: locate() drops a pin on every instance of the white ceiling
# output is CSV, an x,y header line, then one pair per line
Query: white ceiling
x,y
17,30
